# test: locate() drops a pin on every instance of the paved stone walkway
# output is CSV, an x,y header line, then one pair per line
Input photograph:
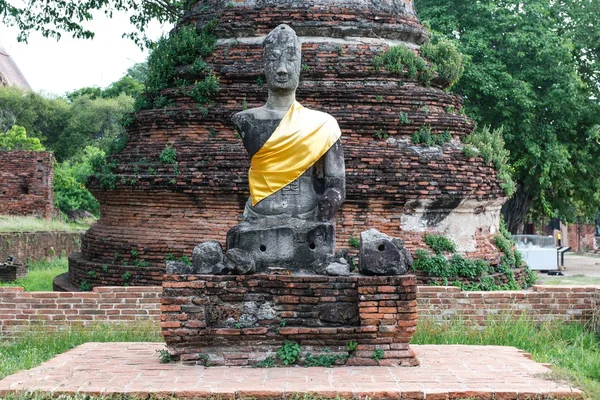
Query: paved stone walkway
x,y
446,372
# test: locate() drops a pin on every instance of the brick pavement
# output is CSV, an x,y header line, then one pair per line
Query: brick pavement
x,y
446,372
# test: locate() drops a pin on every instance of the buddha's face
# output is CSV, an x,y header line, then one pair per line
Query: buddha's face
x,y
282,57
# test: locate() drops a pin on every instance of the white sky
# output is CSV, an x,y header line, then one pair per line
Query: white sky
x,y
53,67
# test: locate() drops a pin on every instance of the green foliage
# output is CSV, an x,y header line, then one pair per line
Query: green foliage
x,y
403,118
490,145
378,354
186,46
322,360
70,178
11,223
446,62
126,277
55,17
354,241
424,136
185,259
168,155
85,286
532,68
92,274
439,243
16,139
268,362
380,134
164,356
470,151
289,353
351,346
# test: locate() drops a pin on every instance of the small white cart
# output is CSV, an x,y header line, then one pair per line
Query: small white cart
x,y
539,252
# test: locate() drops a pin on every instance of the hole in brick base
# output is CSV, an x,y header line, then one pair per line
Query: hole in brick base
x,y
263,248
381,247
312,246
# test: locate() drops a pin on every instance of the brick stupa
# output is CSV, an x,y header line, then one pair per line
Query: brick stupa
x,y
402,189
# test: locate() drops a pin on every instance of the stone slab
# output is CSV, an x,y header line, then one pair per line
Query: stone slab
x,y
446,372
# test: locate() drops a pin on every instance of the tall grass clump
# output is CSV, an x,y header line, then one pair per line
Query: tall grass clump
x,y
40,275
37,345
573,349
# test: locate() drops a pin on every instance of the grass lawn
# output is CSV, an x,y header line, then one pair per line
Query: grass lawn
x,y
9,223
568,280
572,349
40,276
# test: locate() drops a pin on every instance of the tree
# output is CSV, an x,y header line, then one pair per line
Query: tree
x,y
522,74
54,17
66,127
16,139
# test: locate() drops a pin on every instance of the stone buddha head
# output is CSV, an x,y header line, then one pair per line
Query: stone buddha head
x,y
282,54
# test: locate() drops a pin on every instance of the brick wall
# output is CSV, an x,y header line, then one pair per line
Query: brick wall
x,y
26,179
581,237
543,303
37,245
19,309
12,272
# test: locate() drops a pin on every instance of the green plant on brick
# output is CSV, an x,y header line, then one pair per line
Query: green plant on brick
x,y
351,346
403,118
354,241
378,354
126,277
439,243
268,362
92,274
185,259
289,353
164,356
323,360
85,286
168,155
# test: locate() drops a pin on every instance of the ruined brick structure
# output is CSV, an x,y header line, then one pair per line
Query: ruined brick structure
x,y
26,179
323,314
392,185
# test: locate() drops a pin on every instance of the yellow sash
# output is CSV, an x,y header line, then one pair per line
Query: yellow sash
x,y
301,139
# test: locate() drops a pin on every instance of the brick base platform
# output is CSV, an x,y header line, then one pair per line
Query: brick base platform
x,y
243,320
446,372
12,272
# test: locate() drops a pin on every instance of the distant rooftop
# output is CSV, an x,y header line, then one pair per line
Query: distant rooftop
x,y
9,72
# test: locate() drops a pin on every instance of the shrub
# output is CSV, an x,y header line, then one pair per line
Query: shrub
x,y
16,139
447,63
186,47
168,155
490,145
439,243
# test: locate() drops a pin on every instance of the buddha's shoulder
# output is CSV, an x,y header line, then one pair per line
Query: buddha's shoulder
x,y
256,114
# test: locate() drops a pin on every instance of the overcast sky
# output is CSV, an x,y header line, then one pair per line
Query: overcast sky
x,y
57,67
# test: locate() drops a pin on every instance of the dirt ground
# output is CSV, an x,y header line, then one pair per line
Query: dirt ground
x,y
579,269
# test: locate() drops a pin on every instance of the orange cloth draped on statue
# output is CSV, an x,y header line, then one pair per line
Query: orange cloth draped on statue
x,y
301,139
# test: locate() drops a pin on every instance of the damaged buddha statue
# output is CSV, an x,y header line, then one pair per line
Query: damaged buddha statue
x,y
296,177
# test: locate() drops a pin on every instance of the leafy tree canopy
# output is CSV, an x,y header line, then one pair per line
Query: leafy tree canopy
x,y
65,127
526,72
54,17
132,84
16,139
